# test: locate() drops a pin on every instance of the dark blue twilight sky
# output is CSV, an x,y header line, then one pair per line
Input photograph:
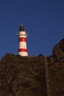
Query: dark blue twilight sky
x,y
43,20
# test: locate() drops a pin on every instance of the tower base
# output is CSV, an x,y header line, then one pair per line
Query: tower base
x,y
23,53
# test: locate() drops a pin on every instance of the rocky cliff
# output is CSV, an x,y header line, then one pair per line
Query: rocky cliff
x,y
33,76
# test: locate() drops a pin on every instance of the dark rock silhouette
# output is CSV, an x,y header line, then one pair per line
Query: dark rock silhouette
x,y
58,50
33,76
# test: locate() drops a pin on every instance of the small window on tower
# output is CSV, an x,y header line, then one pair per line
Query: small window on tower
x,y
23,46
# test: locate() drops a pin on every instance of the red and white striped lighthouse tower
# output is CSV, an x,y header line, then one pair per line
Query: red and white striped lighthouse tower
x,y
22,51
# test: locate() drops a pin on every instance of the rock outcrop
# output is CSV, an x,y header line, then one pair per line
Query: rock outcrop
x,y
33,76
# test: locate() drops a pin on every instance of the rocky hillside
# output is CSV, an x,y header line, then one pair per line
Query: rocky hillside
x,y
33,76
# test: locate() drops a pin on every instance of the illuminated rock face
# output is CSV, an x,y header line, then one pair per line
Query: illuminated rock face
x,y
22,51
33,76
58,50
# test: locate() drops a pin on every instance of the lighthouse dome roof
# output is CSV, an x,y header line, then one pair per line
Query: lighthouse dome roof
x,y
21,28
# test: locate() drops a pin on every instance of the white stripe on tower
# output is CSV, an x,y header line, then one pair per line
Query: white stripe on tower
x,y
22,51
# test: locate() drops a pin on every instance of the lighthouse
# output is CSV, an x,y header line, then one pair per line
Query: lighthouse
x,y
22,35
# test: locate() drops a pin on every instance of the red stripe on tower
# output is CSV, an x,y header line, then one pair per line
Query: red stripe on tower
x,y
22,50
22,39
